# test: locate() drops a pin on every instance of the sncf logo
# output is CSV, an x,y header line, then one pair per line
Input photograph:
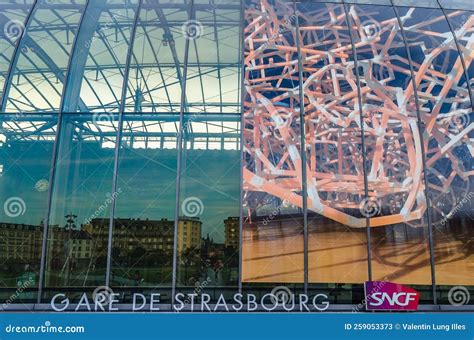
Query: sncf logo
x,y
382,295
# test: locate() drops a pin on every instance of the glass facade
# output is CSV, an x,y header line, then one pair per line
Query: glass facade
x,y
235,146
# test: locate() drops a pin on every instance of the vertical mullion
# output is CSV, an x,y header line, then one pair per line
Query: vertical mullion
x,y
178,162
241,142
302,149
364,155
423,156
54,157
117,143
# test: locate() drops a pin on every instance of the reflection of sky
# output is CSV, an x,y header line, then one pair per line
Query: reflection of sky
x,y
24,164
146,182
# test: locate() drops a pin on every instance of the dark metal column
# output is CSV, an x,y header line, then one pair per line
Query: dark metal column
x,y
123,99
304,183
242,126
178,166
53,162
364,154
89,25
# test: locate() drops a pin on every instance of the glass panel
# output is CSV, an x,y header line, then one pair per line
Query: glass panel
x,y
399,231
272,240
457,4
13,15
447,126
212,84
462,23
80,207
26,145
208,251
337,242
156,71
417,3
97,68
142,252
40,71
375,2
208,226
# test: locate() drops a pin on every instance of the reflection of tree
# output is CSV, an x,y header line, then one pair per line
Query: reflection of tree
x,y
137,257
230,255
157,258
140,257
211,261
191,261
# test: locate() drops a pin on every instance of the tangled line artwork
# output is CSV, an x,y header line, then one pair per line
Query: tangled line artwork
x,y
410,126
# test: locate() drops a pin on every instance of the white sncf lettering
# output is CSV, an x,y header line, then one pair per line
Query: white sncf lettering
x,y
398,299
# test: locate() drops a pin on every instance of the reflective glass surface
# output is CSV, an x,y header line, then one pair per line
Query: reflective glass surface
x,y
13,16
40,70
217,146
26,146
142,248
80,205
446,114
337,234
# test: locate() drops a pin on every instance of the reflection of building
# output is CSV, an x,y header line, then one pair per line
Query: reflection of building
x,y
149,235
189,233
76,244
132,234
20,242
232,232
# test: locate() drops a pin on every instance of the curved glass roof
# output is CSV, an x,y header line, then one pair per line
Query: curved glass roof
x,y
121,56
71,55
40,42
